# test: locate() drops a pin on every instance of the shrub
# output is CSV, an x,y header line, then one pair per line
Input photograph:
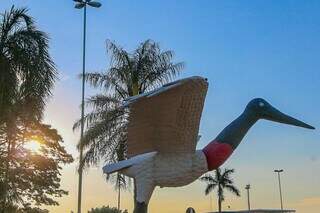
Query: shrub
x,y
106,209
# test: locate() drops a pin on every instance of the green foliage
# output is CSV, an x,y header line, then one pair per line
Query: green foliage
x,y
220,181
27,75
27,72
16,209
106,209
32,177
129,74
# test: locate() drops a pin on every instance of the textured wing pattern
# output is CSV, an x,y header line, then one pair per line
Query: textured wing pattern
x,y
167,120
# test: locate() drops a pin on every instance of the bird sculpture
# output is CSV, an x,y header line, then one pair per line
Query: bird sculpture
x,y
163,133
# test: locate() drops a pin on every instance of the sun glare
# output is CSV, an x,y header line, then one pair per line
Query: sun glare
x,y
33,146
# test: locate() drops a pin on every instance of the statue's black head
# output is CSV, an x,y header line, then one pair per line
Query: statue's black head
x,y
263,110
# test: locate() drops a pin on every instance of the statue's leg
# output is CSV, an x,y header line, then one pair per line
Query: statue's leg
x,y
143,191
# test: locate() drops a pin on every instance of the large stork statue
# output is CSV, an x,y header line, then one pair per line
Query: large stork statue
x,y
163,132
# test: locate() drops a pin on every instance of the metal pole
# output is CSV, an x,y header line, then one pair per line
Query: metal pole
x,y
211,207
280,190
248,196
279,181
82,107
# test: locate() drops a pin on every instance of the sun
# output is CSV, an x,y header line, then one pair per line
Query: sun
x,y
33,146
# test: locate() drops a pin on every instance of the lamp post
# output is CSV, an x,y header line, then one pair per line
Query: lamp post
x,y
279,171
248,194
82,4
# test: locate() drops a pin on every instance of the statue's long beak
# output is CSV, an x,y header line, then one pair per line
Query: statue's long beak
x,y
275,115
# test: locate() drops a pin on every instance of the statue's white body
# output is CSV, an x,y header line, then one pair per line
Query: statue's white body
x,y
166,170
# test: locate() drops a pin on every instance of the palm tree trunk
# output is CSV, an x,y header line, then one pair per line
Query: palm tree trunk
x,y
1,86
219,197
135,88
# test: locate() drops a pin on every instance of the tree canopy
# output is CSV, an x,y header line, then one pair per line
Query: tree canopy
x,y
27,74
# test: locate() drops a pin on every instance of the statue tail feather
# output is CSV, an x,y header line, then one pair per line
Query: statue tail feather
x,y
124,164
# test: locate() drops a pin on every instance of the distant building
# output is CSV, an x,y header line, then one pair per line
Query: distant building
x,y
259,211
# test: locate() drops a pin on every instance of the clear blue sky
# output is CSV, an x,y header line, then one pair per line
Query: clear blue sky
x,y
246,49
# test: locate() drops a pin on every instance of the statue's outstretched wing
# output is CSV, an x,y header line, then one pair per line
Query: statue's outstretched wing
x,y
167,119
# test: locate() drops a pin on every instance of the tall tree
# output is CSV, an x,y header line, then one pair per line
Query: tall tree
x,y
27,75
33,176
220,181
129,74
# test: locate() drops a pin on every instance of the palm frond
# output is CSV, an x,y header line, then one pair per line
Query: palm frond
x,y
94,79
210,188
101,101
208,179
233,189
227,172
105,148
13,19
30,72
118,55
101,128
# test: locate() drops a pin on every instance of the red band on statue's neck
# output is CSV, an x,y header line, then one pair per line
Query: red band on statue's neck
x,y
216,154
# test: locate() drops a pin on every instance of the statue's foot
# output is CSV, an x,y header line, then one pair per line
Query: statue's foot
x,y
141,207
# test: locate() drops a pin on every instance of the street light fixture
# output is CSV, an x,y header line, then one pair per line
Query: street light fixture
x,y
83,3
79,5
248,194
279,171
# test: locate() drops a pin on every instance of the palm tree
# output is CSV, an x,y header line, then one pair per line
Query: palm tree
x,y
27,75
221,180
121,182
26,69
129,74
